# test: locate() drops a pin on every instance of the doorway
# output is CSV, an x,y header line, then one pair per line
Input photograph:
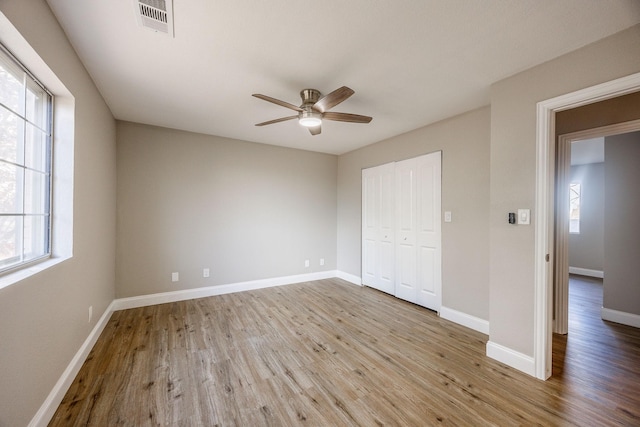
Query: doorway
x,y
545,203
562,219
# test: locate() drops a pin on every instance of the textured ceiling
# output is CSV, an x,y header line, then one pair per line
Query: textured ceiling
x,y
410,62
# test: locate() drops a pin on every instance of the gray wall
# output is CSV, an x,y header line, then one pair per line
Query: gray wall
x,y
247,211
464,141
513,172
586,249
43,319
621,226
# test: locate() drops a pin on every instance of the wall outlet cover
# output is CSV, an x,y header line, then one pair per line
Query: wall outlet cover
x,y
524,216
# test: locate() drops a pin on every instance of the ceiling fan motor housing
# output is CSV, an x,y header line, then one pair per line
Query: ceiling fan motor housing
x,y
309,97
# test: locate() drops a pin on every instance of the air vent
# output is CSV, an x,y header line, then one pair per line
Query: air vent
x,y
156,15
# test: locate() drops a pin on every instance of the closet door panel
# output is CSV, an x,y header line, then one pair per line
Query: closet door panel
x,y
369,262
387,267
378,228
386,259
428,231
406,230
426,269
369,227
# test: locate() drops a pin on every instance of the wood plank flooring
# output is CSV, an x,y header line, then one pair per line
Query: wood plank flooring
x,y
598,359
329,353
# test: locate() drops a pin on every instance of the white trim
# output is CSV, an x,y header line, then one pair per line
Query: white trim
x,y
511,358
543,245
186,294
586,272
560,240
351,278
465,319
51,403
621,317
545,147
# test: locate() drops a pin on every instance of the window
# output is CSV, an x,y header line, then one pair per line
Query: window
x,y
574,207
25,166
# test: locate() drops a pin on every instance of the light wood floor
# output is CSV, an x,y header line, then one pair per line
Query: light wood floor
x,y
328,353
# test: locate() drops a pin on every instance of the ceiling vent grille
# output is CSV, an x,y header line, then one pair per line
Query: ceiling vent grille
x,y
156,15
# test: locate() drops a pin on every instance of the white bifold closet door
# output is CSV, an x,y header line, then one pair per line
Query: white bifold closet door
x,y
378,227
406,250
418,238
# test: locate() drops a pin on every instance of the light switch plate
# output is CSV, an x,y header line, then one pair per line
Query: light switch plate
x,y
447,216
524,216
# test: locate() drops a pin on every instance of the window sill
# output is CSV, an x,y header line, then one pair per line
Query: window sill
x,y
22,274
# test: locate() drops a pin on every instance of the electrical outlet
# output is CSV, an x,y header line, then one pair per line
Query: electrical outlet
x,y
90,313
321,261
306,263
175,276
205,272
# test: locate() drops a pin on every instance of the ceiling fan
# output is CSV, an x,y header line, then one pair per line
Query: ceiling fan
x,y
314,108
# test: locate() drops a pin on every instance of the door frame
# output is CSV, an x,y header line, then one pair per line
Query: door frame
x,y
563,176
545,203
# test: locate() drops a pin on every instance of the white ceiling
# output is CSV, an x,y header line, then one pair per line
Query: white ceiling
x,y
410,62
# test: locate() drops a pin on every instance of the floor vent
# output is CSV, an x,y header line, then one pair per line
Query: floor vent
x,y
156,15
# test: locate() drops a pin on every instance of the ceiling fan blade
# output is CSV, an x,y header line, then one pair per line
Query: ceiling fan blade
x,y
315,130
334,98
277,101
346,117
282,119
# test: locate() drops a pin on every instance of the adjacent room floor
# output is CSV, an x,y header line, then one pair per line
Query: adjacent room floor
x,y
328,353
597,354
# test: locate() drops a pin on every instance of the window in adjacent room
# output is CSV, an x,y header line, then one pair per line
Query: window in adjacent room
x,y
574,207
25,166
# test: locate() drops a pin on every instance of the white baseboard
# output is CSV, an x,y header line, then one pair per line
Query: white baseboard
x,y
586,272
512,358
465,319
186,294
621,317
349,278
51,403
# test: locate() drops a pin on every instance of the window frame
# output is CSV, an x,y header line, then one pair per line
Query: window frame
x,y
572,184
46,193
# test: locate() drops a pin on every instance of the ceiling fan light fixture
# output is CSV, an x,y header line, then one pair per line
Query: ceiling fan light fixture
x,y
310,119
